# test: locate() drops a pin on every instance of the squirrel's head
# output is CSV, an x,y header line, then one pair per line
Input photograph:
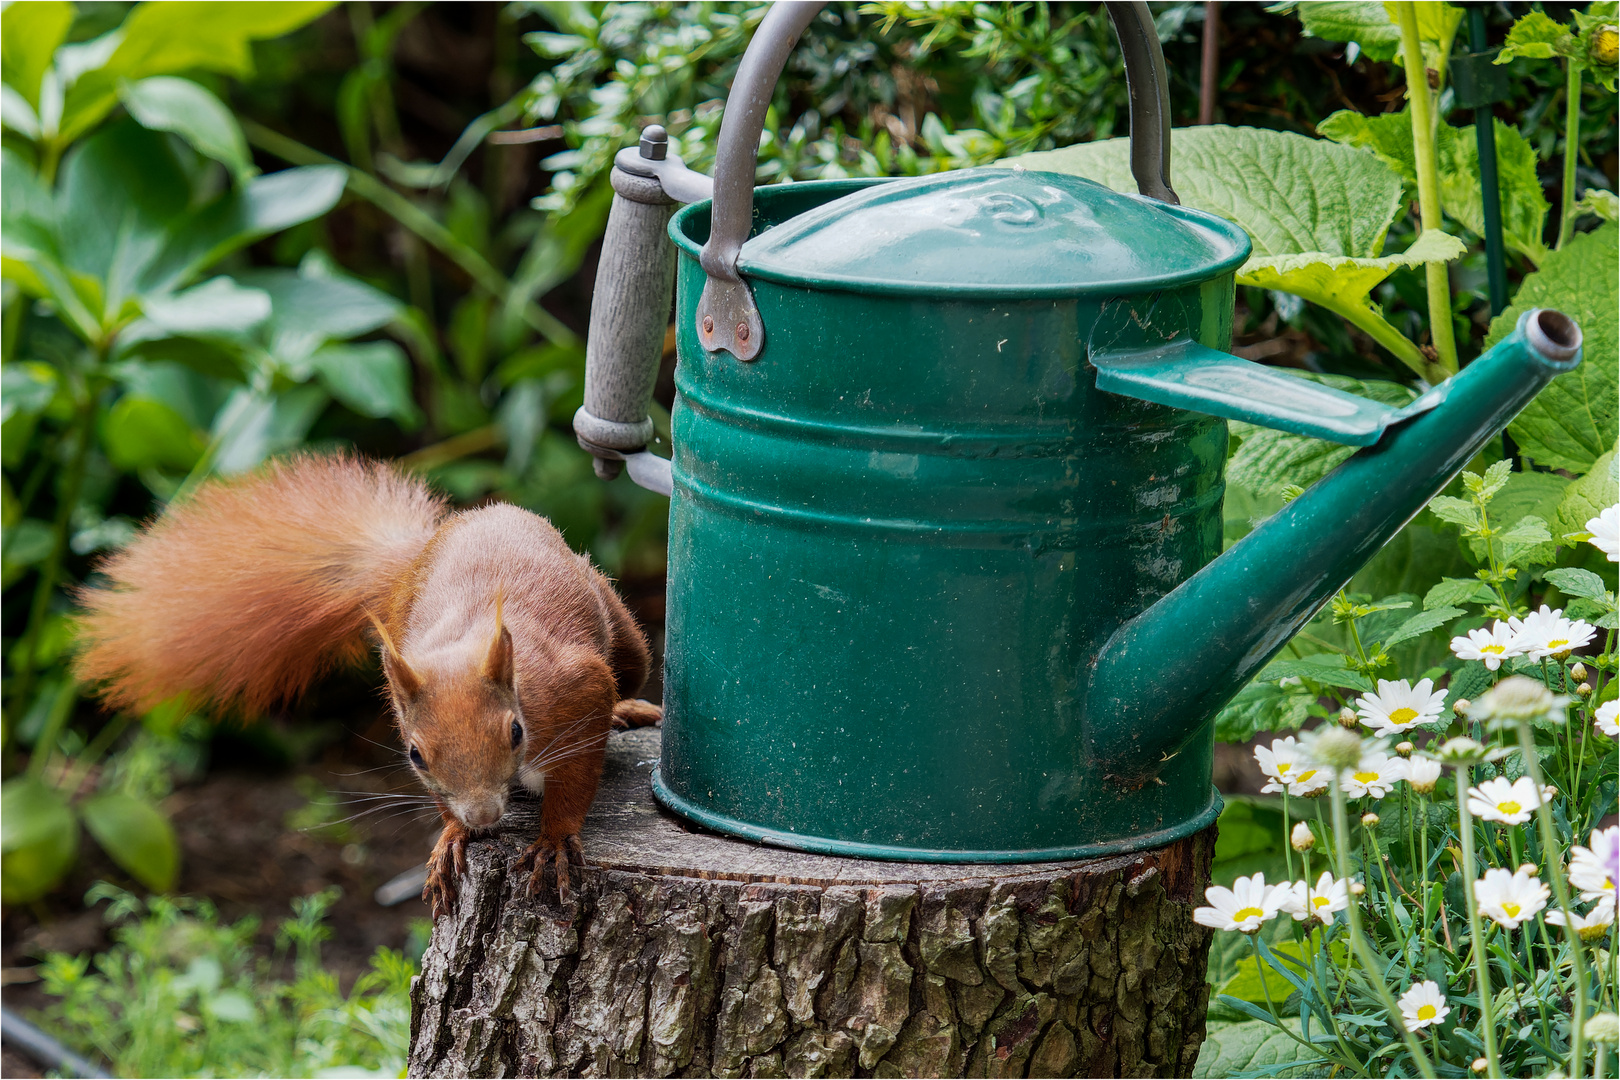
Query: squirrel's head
x,y
462,724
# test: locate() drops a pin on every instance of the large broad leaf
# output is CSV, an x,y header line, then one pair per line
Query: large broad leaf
x,y
217,306
1526,494
29,35
39,839
373,379
166,37
165,103
141,433
1524,206
1587,497
1571,423
1371,28
1316,211
308,310
137,836
251,427
1268,460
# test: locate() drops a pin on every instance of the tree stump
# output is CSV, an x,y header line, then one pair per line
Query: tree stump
x,y
684,953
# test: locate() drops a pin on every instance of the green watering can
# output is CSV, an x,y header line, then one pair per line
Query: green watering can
x,y
945,569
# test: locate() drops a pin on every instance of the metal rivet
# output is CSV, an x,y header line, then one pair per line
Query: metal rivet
x,y
742,332
708,324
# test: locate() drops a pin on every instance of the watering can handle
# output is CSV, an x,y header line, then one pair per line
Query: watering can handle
x,y
726,315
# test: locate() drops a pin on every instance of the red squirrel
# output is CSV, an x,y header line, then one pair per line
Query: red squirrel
x,y
507,656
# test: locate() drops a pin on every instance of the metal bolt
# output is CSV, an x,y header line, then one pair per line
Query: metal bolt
x,y
654,143
742,332
708,324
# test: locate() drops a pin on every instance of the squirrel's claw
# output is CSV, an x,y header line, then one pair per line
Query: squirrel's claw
x,y
636,712
447,863
558,851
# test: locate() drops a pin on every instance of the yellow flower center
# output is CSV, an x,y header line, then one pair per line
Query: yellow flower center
x,y
1319,901
1509,807
1512,909
1247,913
1426,1012
1403,715
1364,777
1555,643
1306,775
1498,649
1284,766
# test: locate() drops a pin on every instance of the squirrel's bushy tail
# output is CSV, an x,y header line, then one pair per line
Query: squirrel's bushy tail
x,y
244,593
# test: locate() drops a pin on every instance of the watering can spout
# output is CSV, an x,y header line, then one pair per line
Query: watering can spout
x,y
1159,680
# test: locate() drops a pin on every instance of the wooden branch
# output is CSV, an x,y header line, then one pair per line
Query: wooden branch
x,y
686,953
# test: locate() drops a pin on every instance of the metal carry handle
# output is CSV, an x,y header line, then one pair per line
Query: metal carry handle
x,y
726,315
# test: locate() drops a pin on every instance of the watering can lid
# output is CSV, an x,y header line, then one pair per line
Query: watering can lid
x,y
995,232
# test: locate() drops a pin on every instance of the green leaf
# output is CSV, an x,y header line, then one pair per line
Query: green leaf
x,y
166,37
1262,706
1422,623
1457,511
217,306
1525,496
373,379
1366,24
140,433
251,427
1605,205
1572,422
1573,581
1523,539
26,388
29,35
165,103
1268,460
1326,668
1587,497
307,311
1249,1046
137,835
1453,591
1471,681
39,839
1536,37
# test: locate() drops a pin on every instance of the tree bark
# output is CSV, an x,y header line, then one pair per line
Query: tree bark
x,y
683,953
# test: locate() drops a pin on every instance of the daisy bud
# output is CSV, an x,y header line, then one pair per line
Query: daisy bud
x,y
1585,689
1480,1065
1517,698
1578,672
1530,868
1302,839
1337,748
1404,749
1461,707
1461,751
1357,888
1369,820
1603,1028
1348,718
1548,793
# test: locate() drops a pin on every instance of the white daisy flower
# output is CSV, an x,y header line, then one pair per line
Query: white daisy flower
x,y
1593,926
1400,706
1320,901
1605,530
1595,870
1423,1005
1546,632
1244,907
1498,800
1288,769
1423,774
1508,899
1376,775
1608,719
1492,646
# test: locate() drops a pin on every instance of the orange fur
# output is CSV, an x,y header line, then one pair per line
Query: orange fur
x,y
247,592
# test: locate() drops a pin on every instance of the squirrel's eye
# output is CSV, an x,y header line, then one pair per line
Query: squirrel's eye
x,y
416,759
517,734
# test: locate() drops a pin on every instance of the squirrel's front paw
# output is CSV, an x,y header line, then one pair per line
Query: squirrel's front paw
x,y
559,851
636,712
447,863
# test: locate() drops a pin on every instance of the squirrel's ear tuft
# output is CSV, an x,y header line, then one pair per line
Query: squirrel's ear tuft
x,y
403,682
499,666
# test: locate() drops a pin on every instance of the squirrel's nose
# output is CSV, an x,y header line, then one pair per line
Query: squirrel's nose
x,y
480,813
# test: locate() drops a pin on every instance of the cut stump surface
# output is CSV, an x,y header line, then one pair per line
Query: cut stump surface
x,y
684,953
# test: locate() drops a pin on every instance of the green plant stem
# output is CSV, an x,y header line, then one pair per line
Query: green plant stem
x,y
61,709
1367,320
1288,841
417,221
1555,872
1572,142
27,660
1476,932
1428,176
1358,940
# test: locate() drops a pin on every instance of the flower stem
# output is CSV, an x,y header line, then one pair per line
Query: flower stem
x,y
1549,845
1358,941
1428,177
1476,932
1572,142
